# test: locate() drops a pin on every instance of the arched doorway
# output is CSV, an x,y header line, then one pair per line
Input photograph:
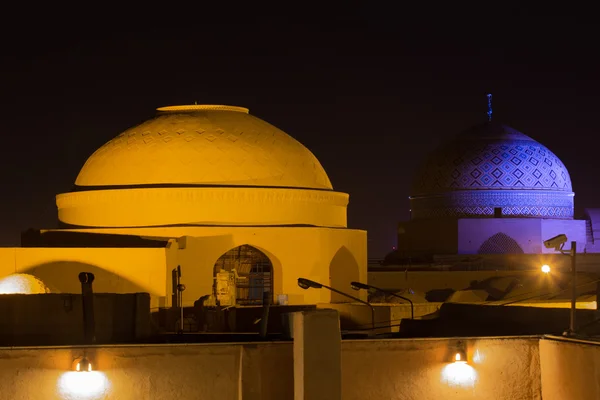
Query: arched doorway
x,y
250,269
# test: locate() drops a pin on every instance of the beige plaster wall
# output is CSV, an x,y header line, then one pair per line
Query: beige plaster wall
x,y
151,372
504,368
570,370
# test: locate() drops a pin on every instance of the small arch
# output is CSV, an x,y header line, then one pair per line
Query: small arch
x,y
253,275
500,243
343,269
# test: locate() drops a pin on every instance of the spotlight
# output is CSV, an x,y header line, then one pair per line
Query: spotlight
x,y
359,285
546,268
307,283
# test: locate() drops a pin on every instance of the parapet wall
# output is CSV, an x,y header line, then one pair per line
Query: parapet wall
x,y
499,368
570,369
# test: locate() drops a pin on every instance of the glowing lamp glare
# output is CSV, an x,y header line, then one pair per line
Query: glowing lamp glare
x,y
83,365
459,359
545,268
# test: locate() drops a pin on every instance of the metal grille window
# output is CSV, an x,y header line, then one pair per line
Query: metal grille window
x,y
254,273
500,243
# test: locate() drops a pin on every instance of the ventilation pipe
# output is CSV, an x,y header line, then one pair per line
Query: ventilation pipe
x,y
87,299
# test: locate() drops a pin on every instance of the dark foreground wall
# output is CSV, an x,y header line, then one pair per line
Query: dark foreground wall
x,y
57,319
454,319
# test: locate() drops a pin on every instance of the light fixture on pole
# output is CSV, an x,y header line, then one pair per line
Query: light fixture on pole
x,y
371,289
307,284
557,243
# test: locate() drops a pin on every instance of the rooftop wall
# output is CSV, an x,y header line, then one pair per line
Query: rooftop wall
x,y
570,369
499,368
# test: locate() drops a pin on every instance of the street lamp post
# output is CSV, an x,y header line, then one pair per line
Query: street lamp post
x,y
359,285
307,283
557,244
573,254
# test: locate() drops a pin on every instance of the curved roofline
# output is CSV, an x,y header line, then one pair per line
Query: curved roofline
x,y
82,188
202,107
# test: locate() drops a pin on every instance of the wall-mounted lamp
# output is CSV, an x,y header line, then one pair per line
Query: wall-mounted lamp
x,y
457,371
83,364
460,357
459,353
83,381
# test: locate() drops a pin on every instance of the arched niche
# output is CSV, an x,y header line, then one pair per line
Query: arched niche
x,y
343,269
253,274
500,243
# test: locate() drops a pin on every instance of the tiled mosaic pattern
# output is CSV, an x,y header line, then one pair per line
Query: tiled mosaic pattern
x,y
501,161
492,166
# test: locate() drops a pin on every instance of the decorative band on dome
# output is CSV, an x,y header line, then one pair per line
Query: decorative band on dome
x,y
202,107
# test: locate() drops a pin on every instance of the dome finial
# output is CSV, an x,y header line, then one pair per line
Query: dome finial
x,y
489,112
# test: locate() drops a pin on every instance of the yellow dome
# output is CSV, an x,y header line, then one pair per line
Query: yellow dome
x,y
207,145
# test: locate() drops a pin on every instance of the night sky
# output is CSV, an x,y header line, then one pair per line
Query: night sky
x,y
370,91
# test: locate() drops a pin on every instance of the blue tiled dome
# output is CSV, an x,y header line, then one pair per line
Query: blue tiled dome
x,y
488,167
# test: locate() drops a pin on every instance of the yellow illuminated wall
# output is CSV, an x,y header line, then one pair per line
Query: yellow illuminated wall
x,y
331,256
202,205
116,270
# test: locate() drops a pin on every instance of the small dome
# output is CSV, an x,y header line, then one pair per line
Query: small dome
x,y
208,145
488,167
22,284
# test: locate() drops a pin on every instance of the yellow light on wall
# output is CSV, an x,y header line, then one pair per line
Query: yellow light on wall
x,y
546,268
82,382
458,373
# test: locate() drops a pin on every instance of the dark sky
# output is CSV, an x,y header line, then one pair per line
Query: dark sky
x,y
369,90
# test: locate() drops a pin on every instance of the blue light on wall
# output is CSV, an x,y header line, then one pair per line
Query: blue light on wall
x,y
489,113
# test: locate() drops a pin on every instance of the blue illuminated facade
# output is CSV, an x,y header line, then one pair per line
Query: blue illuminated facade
x,y
492,170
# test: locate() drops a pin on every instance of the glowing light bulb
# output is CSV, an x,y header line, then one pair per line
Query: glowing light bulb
x,y
460,358
545,268
84,365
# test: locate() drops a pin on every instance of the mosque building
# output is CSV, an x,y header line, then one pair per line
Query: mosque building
x,y
489,190
482,205
208,196
492,190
